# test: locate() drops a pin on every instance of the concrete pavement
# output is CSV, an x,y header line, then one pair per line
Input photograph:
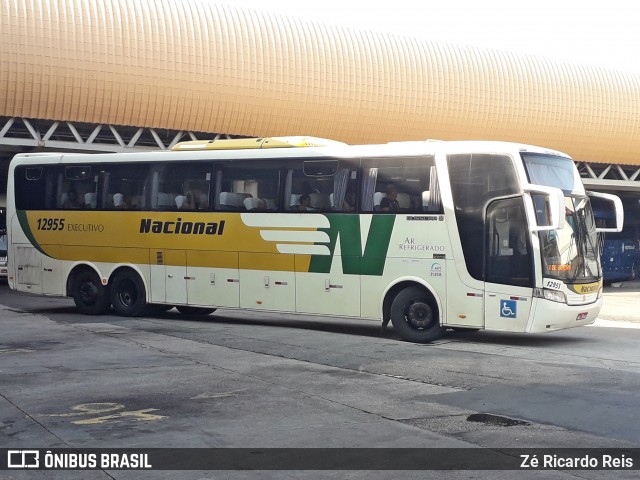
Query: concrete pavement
x,y
250,379
622,302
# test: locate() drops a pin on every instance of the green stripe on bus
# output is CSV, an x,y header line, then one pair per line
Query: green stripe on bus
x,y
26,228
375,251
347,228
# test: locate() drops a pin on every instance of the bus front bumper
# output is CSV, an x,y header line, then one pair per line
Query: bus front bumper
x,y
550,316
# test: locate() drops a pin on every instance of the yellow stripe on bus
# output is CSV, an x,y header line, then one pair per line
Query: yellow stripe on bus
x,y
212,259
104,254
266,261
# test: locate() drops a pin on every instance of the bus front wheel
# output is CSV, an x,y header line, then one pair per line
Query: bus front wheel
x,y
128,295
89,295
414,314
187,310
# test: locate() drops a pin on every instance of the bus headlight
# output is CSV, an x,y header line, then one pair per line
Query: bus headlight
x,y
553,295
600,291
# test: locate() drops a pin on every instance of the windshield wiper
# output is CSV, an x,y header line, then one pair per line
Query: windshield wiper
x,y
584,244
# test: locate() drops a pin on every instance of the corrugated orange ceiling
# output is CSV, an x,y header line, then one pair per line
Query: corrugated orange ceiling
x,y
209,67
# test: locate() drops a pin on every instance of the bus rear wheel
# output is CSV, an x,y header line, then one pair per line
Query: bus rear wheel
x,y
89,295
128,295
194,310
414,314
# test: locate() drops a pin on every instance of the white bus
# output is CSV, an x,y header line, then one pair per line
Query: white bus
x,y
428,235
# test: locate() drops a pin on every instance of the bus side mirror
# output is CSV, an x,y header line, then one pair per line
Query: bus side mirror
x,y
607,211
548,204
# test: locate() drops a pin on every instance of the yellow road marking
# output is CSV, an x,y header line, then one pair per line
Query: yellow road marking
x,y
16,350
86,409
137,415
89,409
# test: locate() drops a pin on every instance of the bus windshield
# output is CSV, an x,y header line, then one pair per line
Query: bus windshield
x,y
552,171
571,253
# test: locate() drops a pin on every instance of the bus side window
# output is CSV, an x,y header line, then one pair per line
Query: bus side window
x,y
125,187
304,193
183,186
248,186
321,186
77,187
400,185
34,187
475,180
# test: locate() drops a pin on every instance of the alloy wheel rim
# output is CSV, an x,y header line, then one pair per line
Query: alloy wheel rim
x,y
419,315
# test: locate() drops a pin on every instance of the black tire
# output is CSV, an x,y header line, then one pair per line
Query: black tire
x,y
414,314
89,295
186,310
128,295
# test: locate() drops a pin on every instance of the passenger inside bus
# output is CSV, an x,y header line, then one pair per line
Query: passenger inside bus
x,y
72,202
305,203
390,202
194,199
260,205
124,202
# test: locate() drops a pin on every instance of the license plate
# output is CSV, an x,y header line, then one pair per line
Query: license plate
x,y
3,259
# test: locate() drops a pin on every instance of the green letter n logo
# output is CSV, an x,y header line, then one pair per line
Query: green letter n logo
x,y
354,260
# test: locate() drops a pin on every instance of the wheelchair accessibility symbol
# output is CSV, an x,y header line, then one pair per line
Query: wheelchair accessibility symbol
x,y
508,308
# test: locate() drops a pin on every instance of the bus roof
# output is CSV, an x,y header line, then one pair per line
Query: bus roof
x,y
283,148
250,143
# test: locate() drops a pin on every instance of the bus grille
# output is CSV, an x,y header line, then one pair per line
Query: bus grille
x,y
580,299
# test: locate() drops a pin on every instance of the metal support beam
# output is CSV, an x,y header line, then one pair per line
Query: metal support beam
x,y
603,171
28,134
610,176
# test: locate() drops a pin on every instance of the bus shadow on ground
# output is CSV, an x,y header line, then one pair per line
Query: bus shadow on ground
x,y
337,325
56,310
329,325
373,329
533,340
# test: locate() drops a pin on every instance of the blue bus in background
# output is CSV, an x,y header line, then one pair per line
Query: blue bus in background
x,y
620,260
620,257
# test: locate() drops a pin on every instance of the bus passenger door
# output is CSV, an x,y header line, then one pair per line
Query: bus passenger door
x,y
212,278
508,266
